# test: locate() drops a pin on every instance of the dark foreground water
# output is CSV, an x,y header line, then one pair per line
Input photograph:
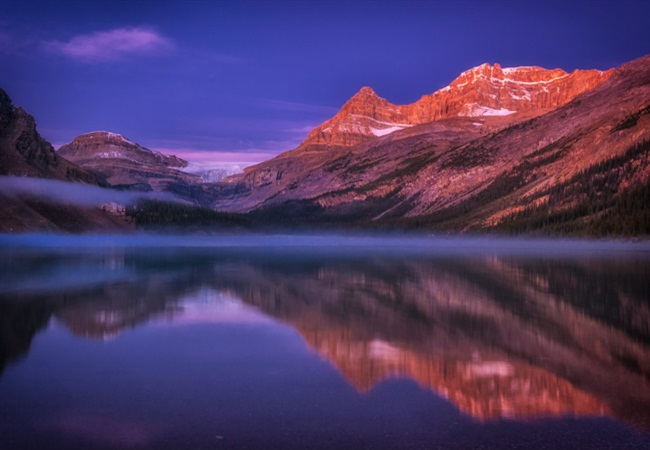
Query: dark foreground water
x,y
305,342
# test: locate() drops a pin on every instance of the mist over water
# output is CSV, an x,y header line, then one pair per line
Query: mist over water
x,y
342,244
284,341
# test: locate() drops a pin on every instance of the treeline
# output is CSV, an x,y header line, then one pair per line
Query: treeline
x,y
627,214
154,214
591,202
594,202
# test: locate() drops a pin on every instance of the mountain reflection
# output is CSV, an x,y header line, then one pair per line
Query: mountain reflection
x,y
500,337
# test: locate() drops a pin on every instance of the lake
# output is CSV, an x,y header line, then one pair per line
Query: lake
x,y
301,342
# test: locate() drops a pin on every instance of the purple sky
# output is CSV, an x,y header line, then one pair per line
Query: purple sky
x,y
243,81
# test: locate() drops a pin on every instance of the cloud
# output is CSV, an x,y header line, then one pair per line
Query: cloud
x,y
113,45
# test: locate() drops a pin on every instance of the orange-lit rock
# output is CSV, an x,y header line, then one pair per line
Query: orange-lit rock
x,y
482,91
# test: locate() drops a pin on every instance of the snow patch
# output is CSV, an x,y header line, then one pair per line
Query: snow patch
x,y
113,154
509,70
382,350
116,136
382,128
352,128
116,155
395,124
477,74
474,110
492,369
385,131
526,83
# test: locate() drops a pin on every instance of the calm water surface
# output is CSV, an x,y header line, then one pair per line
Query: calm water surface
x,y
305,342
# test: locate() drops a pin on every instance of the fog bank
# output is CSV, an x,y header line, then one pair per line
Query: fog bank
x,y
79,194
312,244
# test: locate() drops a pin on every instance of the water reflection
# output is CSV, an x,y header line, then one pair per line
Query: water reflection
x,y
499,336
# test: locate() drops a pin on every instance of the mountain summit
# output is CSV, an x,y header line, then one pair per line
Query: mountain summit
x,y
485,90
124,163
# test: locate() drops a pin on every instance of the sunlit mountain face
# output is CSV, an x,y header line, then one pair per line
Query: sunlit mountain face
x,y
499,336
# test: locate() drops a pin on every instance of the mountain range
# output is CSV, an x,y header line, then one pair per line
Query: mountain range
x,y
521,149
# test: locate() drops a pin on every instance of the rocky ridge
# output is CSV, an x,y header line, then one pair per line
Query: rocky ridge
x,y
123,163
486,90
